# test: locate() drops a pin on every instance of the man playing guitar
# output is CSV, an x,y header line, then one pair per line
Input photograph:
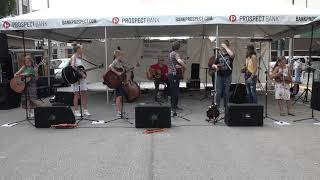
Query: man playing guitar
x,y
28,70
75,62
159,73
175,64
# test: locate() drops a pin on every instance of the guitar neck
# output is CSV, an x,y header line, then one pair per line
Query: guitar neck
x,y
93,68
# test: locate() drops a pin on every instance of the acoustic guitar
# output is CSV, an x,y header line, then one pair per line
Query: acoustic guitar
x,y
112,80
71,75
18,83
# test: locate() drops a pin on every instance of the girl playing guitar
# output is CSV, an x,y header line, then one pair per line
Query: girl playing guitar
x,y
75,62
28,70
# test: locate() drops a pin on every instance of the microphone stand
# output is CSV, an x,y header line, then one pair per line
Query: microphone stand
x,y
26,95
206,85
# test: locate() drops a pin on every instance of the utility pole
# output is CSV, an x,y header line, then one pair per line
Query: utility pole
x,y
292,2
48,3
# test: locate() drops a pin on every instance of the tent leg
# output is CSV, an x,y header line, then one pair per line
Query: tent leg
x,y
23,44
106,53
48,60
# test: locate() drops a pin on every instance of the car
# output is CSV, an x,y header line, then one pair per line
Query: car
x,y
57,65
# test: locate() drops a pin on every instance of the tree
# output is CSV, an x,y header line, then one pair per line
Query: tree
x,y
6,7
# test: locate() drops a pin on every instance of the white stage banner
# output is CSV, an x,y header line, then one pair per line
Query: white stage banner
x,y
31,23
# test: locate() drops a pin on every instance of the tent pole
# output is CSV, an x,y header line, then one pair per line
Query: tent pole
x,y
106,53
24,44
291,43
48,61
216,52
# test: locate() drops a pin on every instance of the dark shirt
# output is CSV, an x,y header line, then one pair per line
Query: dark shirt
x,y
223,69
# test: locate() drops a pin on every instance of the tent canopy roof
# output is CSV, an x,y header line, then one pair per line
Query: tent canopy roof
x,y
145,19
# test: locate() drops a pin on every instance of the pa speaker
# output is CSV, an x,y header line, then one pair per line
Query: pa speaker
x,y
195,68
153,117
3,45
6,70
244,115
315,97
44,117
8,98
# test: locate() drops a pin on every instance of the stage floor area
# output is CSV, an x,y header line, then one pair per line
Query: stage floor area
x,y
187,151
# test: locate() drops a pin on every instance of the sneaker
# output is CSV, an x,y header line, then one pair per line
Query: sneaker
x,y
179,108
119,115
174,113
122,115
77,113
86,112
30,115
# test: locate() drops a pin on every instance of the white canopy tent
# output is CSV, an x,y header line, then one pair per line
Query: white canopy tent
x,y
132,20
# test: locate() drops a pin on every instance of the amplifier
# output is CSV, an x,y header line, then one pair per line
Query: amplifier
x,y
153,117
244,115
44,117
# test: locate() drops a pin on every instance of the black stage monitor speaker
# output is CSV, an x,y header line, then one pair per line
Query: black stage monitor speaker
x,y
244,115
47,116
8,98
315,103
3,45
153,117
195,68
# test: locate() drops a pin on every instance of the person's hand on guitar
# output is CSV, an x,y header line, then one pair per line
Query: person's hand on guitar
x,y
216,67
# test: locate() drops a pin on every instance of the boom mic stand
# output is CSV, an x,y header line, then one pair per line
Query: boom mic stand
x,y
81,113
312,113
122,116
26,95
266,115
205,96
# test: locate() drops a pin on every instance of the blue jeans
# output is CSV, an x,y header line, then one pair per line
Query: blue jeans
x,y
252,90
174,90
223,87
297,75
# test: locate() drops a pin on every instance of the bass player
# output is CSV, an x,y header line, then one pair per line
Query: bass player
x,y
118,63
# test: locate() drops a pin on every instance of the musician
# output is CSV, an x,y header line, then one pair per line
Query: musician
x,y
163,69
250,69
222,65
175,63
30,91
76,61
281,73
118,63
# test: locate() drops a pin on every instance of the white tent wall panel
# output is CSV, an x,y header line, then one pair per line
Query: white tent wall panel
x,y
198,50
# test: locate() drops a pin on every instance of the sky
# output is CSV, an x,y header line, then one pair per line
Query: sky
x,y
42,4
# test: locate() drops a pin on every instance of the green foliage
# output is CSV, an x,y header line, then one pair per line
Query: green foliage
x,y
6,7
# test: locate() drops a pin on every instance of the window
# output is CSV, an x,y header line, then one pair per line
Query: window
x,y
55,54
69,52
